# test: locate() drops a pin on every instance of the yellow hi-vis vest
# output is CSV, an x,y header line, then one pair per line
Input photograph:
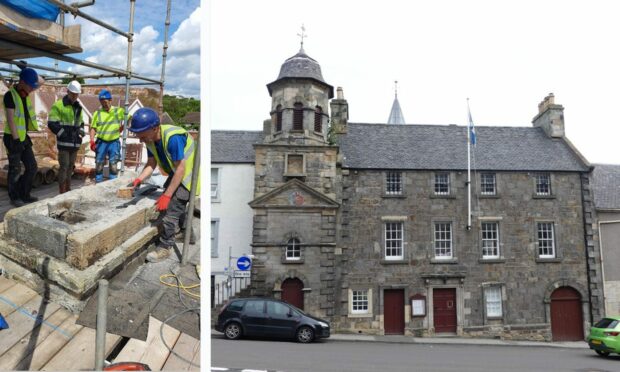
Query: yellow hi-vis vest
x,y
19,117
189,151
107,124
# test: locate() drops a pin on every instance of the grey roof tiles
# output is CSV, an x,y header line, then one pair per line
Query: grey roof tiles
x,y
606,186
230,146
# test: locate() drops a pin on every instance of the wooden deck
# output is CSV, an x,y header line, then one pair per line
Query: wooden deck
x,y
43,336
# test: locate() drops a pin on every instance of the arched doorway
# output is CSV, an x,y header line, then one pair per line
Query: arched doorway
x,y
292,292
566,315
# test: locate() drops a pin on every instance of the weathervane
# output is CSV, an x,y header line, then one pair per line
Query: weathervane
x,y
302,35
395,88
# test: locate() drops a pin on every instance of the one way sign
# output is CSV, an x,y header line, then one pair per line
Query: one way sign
x,y
244,263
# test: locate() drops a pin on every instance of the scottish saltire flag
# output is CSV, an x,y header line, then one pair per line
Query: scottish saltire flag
x,y
472,130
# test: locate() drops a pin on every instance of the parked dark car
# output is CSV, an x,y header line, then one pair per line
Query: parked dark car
x,y
267,317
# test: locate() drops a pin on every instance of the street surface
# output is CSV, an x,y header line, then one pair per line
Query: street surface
x,y
341,356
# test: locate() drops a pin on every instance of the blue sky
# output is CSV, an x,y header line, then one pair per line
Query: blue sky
x,y
108,48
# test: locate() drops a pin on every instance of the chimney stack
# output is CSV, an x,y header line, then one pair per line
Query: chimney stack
x,y
550,117
339,112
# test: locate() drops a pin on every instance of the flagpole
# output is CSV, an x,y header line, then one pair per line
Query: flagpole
x,y
468,167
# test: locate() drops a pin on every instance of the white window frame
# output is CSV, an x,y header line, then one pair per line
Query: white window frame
x,y
215,184
394,242
360,313
215,227
540,184
293,250
359,301
394,179
493,301
488,241
442,240
439,183
546,239
483,184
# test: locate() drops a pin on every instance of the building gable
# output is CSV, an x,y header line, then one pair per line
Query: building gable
x,y
292,195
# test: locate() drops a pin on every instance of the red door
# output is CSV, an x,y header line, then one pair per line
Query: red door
x,y
444,310
292,292
566,315
394,311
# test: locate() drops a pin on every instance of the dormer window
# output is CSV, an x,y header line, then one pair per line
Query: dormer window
x,y
279,118
298,116
318,118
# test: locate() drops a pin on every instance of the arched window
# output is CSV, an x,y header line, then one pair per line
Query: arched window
x,y
279,118
318,119
298,116
293,249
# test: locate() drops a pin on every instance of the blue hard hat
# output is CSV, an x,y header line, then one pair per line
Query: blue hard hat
x,y
30,77
104,94
144,119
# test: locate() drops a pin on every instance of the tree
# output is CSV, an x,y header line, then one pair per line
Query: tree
x,y
68,79
177,107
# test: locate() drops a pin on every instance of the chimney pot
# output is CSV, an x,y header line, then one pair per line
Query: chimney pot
x,y
339,94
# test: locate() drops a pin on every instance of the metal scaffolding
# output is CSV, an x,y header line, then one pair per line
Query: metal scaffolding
x,y
112,72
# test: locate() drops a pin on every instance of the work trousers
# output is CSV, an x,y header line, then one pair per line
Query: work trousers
x,y
174,217
66,160
110,149
20,186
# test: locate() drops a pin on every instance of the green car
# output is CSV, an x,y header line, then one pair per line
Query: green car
x,y
604,337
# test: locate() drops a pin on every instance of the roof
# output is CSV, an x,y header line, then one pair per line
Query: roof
x,y
230,146
606,186
191,118
396,114
436,147
301,66
165,119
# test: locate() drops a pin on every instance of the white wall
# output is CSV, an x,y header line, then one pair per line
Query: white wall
x,y
231,209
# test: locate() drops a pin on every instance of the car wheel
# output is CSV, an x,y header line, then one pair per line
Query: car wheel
x,y
305,335
232,331
602,353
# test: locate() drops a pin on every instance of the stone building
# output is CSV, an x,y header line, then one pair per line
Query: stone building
x,y
367,224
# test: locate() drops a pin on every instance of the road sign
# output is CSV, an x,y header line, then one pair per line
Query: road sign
x,y
241,274
244,263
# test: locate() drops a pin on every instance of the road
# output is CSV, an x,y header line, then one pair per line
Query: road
x,y
344,356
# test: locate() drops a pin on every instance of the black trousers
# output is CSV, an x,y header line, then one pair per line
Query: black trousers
x,y
174,217
20,186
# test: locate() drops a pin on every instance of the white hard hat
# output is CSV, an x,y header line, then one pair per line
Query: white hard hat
x,y
74,87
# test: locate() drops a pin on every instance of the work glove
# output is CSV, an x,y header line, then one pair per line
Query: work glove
x,y
120,130
135,183
162,203
93,145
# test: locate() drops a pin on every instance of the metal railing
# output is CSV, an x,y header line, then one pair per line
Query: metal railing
x,y
226,289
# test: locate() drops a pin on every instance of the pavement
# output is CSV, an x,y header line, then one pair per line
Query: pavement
x,y
444,340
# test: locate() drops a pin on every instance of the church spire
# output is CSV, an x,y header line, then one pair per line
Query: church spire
x,y
396,114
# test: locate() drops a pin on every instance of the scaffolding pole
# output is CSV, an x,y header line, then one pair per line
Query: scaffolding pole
x,y
77,12
163,60
132,9
55,69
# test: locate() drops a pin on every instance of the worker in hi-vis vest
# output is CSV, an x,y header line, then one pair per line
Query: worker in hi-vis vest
x,y
173,150
20,118
65,121
106,127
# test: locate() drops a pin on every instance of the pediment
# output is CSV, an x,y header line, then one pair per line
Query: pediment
x,y
294,194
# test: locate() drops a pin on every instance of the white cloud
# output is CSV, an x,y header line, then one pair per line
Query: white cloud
x,y
183,58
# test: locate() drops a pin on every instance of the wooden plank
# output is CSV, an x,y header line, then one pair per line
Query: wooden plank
x,y
50,346
11,359
24,320
79,353
17,295
187,347
50,29
152,351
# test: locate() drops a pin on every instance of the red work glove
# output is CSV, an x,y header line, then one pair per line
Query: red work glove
x,y
162,203
93,145
136,182
120,130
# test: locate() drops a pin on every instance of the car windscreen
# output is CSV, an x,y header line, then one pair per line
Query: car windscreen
x,y
606,323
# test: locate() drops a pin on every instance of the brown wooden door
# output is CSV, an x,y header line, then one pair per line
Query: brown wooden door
x,y
444,310
394,311
292,292
566,315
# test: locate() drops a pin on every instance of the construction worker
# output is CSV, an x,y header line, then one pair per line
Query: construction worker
x,y
65,121
108,125
173,150
21,117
